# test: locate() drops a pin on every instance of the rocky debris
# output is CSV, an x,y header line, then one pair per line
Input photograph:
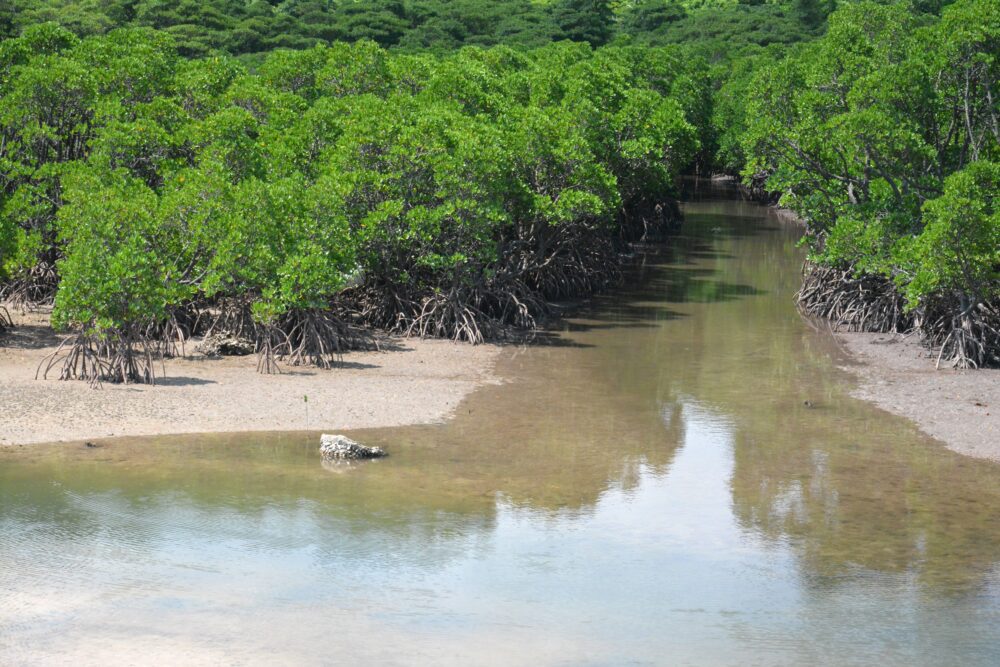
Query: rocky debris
x,y
226,345
342,448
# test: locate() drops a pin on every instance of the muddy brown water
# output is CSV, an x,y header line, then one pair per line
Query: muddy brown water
x,y
649,487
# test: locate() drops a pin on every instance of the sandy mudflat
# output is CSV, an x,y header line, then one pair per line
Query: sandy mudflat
x,y
419,381
959,407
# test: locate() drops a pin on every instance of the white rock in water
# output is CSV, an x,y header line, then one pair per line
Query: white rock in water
x,y
341,447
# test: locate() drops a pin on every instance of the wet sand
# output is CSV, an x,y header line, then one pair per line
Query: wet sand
x,y
961,408
412,382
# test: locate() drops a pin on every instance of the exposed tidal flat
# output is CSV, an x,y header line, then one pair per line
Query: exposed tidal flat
x,y
679,476
959,407
411,381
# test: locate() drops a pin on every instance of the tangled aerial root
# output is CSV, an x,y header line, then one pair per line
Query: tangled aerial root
x,y
320,337
168,337
474,315
540,265
969,339
965,333
443,315
853,303
470,314
311,336
227,317
649,221
578,270
268,344
37,287
121,357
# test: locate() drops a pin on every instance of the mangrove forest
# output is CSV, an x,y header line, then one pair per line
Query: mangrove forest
x,y
301,175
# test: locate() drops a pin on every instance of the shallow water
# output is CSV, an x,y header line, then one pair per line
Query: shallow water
x,y
649,487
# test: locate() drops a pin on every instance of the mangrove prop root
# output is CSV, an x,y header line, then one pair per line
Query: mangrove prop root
x,y
853,303
311,336
967,337
578,272
270,340
470,313
119,357
964,333
169,337
540,264
36,287
649,220
5,320
320,337
446,316
230,317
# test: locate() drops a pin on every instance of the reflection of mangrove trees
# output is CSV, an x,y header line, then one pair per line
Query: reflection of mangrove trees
x,y
882,503
850,486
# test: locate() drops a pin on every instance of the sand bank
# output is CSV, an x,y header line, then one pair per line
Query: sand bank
x,y
961,408
412,382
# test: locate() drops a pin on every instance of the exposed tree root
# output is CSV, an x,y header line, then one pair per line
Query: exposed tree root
x,y
578,269
5,320
965,332
968,337
470,314
230,317
542,264
269,341
119,357
313,336
474,315
320,337
444,315
169,337
37,287
383,306
853,303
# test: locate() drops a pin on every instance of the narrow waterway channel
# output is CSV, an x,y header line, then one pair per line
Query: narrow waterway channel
x,y
677,476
